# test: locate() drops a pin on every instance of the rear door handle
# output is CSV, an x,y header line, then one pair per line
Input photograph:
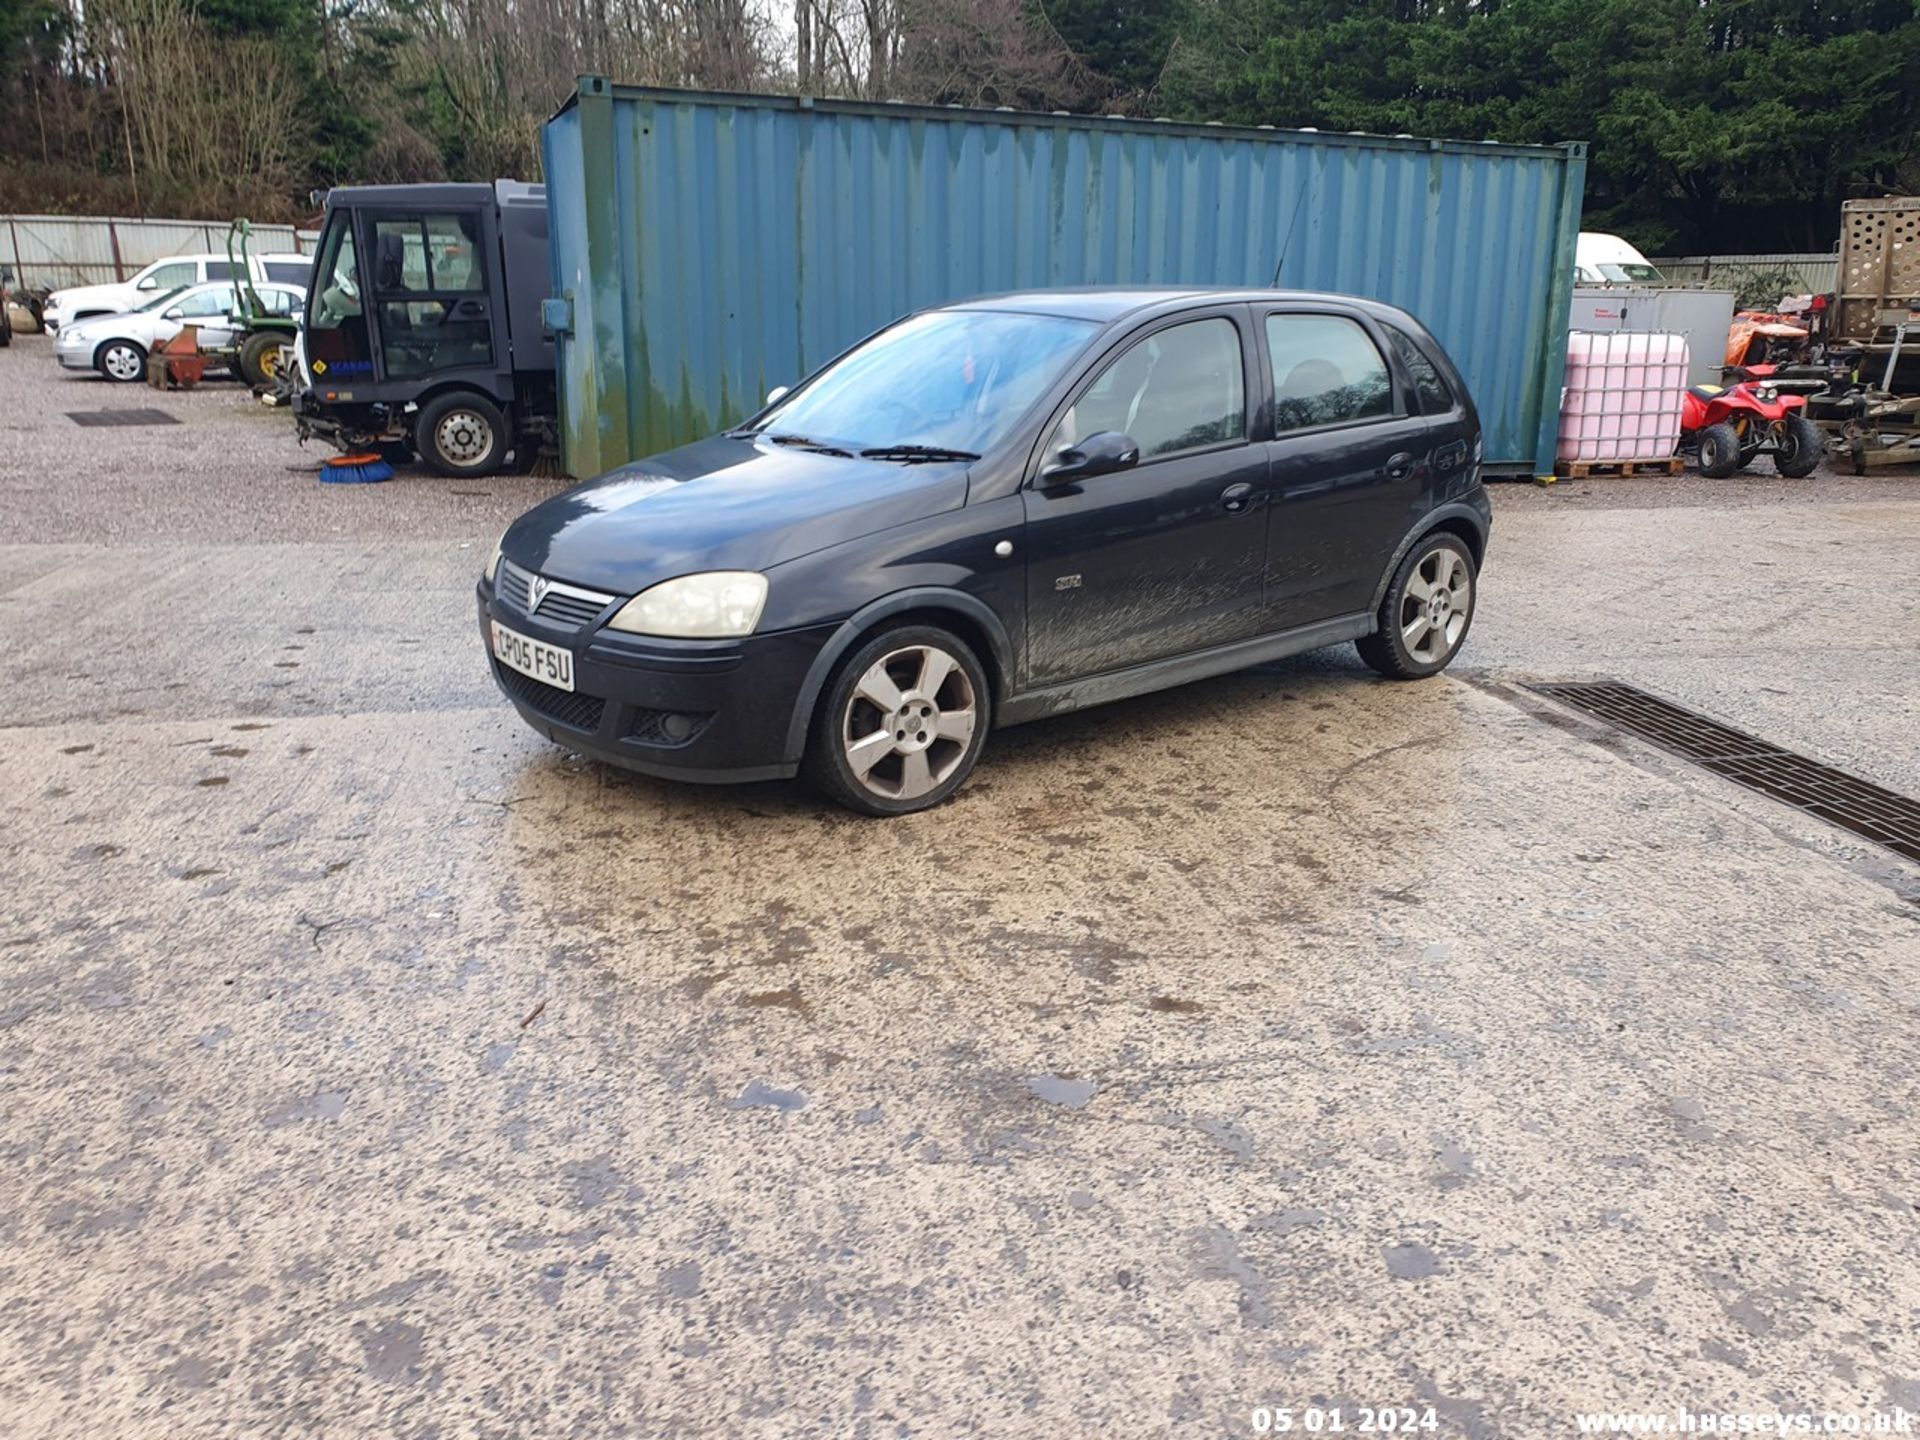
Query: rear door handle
x,y
1400,466
1236,497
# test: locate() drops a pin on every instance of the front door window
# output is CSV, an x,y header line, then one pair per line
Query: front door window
x,y
338,351
430,294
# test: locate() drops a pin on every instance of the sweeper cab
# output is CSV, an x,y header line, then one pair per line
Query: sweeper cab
x,y
422,332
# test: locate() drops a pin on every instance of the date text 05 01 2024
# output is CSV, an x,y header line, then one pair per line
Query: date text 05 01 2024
x,y
1344,1420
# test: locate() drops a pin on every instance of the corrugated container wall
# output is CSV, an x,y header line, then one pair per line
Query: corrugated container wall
x,y
713,246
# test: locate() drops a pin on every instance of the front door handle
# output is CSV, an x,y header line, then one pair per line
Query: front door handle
x,y
1236,497
1400,466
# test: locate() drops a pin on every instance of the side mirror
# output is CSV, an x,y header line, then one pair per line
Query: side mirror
x,y
777,394
148,284
1101,453
6,274
391,261
176,313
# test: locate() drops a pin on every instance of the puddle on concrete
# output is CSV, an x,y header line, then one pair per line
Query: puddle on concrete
x,y
761,1096
1410,1261
1169,1005
1060,1090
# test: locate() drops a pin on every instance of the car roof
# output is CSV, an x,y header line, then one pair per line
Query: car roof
x,y
1108,303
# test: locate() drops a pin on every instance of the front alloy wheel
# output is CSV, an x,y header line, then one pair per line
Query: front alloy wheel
x,y
902,723
121,360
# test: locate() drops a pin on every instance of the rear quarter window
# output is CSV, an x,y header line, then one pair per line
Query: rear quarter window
x,y
1435,396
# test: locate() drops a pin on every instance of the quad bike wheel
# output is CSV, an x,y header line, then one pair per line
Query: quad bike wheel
x,y
1720,451
1798,448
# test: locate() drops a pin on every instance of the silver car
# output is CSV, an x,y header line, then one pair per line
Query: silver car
x,y
118,345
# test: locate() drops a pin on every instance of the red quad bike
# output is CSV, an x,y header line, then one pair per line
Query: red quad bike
x,y
1731,426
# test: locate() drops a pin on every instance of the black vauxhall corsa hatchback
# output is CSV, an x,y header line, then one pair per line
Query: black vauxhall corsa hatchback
x,y
995,511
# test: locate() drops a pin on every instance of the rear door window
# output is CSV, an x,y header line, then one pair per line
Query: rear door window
x,y
290,272
1326,371
219,270
1435,398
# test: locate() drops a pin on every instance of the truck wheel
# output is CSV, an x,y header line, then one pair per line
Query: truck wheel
x,y
1799,447
260,359
1719,451
461,434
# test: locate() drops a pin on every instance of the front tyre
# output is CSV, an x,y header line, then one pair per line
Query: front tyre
x,y
1427,611
121,360
461,434
1799,447
900,722
1720,451
260,359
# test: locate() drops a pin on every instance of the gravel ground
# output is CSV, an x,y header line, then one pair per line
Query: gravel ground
x,y
369,1067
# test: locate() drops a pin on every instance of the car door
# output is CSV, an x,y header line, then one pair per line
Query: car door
x,y
1347,461
1166,556
209,310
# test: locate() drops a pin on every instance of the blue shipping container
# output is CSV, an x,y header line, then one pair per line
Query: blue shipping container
x,y
711,246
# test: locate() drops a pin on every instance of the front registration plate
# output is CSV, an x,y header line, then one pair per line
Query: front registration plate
x,y
548,664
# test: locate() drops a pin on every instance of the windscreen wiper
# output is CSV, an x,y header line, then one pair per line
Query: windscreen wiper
x,y
912,454
803,442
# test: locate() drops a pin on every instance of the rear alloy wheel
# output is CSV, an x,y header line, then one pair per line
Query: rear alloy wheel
x,y
1799,447
901,723
121,360
1426,613
1720,451
461,434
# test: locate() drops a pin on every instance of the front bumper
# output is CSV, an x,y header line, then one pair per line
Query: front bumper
x,y
716,711
73,357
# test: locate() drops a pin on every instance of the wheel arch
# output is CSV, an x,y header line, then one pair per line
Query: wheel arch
x,y
1461,520
966,615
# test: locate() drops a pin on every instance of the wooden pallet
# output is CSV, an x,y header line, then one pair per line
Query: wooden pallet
x,y
1582,469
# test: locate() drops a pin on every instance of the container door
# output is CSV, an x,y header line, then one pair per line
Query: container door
x,y
430,293
1163,558
1349,464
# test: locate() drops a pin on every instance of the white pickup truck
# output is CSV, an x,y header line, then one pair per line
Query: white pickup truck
x,y
176,272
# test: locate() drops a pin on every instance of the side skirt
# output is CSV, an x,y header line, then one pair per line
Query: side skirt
x,y
1179,669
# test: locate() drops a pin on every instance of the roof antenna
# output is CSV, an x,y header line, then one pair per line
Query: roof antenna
x,y
1287,243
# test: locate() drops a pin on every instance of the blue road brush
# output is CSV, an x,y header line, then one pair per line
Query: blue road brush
x,y
355,470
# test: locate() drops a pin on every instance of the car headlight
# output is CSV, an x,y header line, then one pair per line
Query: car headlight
x,y
709,606
493,561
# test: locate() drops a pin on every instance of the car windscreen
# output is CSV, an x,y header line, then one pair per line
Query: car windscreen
x,y
946,380
161,302
1633,274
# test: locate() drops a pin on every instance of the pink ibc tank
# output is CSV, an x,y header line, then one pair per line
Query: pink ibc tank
x,y
1623,396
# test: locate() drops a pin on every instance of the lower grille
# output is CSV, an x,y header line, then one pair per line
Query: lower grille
x,y
569,708
1868,810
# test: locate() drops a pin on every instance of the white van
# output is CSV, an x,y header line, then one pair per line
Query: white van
x,y
1608,260
176,272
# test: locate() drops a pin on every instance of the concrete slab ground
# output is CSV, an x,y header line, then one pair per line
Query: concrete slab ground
x,y
369,1067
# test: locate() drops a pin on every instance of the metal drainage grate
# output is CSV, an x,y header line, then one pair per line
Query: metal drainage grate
x,y
121,417
1832,795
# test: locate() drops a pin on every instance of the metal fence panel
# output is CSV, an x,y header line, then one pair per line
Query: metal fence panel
x,y
63,250
1812,274
715,245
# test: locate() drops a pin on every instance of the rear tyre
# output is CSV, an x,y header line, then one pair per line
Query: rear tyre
x,y
461,434
1719,451
1428,609
900,722
1799,449
121,360
260,359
